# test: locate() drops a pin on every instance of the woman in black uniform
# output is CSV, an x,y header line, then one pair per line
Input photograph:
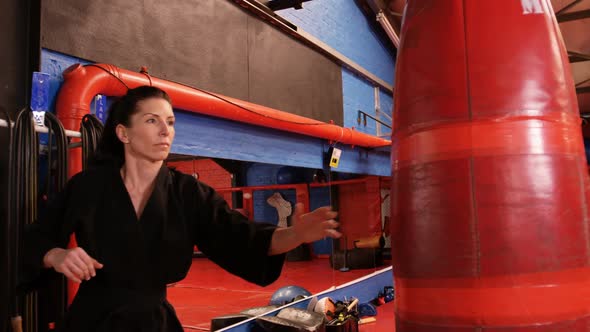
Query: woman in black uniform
x,y
136,223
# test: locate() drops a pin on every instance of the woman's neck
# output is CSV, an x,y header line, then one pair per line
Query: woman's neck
x,y
140,174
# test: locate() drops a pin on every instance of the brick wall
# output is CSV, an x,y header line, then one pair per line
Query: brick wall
x,y
262,175
342,26
358,95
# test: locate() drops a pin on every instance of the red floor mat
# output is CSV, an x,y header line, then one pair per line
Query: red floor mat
x,y
208,291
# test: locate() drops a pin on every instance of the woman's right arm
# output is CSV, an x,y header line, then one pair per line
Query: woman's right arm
x,y
46,239
74,263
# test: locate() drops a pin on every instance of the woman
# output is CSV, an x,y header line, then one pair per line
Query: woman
x,y
136,223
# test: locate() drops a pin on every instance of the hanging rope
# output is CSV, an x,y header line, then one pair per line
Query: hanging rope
x,y
23,193
8,225
53,299
91,130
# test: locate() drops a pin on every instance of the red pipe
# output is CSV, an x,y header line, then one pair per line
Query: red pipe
x,y
490,192
82,83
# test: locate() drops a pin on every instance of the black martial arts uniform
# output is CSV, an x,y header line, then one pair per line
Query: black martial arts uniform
x,y
142,256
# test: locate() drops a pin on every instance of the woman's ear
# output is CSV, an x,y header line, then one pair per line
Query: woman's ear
x,y
122,133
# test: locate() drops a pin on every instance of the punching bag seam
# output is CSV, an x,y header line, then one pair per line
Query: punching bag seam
x,y
474,224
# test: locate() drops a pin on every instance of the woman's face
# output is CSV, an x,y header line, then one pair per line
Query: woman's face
x,y
151,130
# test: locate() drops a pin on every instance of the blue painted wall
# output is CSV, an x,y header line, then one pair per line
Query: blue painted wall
x,y
265,174
386,102
342,26
53,65
386,106
261,175
357,95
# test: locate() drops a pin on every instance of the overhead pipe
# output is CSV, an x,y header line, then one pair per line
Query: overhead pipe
x,y
378,7
393,36
82,83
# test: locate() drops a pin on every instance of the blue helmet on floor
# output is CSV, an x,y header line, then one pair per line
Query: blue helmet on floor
x,y
288,294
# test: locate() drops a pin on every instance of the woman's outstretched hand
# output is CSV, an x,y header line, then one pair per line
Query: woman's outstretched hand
x,y
314,225
74,263
305,228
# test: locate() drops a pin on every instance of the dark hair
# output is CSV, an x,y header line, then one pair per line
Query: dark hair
x,y
110,149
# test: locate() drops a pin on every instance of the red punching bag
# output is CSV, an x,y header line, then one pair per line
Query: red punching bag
x,y
490,208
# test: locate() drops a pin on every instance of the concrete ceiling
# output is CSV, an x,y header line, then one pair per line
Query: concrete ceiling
x,y
574,18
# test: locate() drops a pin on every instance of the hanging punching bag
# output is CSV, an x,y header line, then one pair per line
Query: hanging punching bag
x,y
489,209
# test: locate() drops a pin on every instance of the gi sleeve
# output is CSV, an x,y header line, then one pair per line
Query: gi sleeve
x,y
50,230
232,241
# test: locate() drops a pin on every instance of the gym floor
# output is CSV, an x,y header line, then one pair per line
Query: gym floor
x,y
208,291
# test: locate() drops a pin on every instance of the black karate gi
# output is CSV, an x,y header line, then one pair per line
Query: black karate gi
x,y
142,256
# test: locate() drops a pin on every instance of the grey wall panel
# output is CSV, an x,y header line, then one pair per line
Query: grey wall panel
x,y
200,43
204,41
95,30
287,75
210,44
